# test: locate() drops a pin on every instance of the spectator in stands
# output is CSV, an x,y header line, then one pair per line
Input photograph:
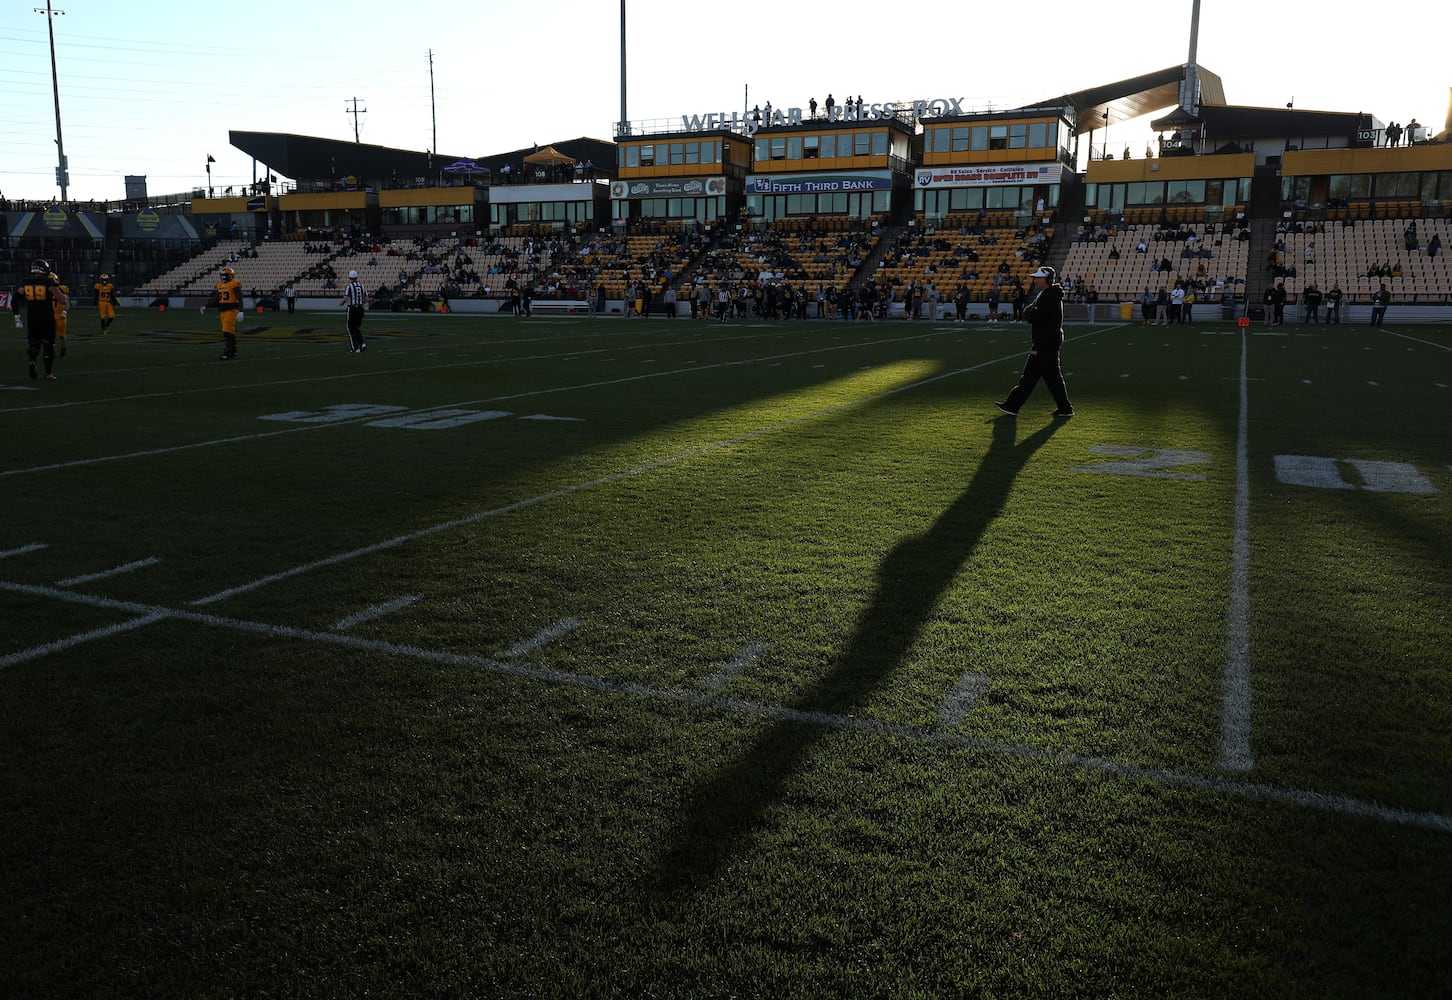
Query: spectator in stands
x,y
1434,245
1310,253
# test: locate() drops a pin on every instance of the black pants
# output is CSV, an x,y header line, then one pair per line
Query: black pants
x,y
1043,365
355,326
40,344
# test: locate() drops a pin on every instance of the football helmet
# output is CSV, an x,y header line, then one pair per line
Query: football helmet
x,y
228,273
43,266
105,277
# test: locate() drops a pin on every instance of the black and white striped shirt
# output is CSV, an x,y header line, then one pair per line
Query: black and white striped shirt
x,y
354,294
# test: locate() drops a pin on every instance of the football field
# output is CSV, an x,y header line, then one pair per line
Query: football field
x,y
569,657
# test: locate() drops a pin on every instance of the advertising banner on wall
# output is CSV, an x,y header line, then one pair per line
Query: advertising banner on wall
x,y
819,183
669,187
989,175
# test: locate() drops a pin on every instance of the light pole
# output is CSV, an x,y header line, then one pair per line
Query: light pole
x,y
210,160
624,121
62,176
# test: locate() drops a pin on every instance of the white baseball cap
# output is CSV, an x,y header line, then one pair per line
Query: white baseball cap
x,y
352,274
1044,272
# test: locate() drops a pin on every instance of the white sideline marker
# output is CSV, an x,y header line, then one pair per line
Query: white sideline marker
x,y
562,627
24,550
735,667
971,687
115,571
376,611
1235,752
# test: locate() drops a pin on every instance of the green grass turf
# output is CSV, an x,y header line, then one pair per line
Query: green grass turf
x,y
778,550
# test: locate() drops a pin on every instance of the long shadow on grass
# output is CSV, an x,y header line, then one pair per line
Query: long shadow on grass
x,y
910,582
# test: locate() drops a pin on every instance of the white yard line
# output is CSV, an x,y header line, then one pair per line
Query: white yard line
x,y
304,428
376,611
542,638
1235,752
1428,343
735,667
130,567
23,550
1233,788
510,508
45,649
971,687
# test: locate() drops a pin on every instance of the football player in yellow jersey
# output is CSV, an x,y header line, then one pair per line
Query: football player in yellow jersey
x,y
39,293
59,310
228,300
105,301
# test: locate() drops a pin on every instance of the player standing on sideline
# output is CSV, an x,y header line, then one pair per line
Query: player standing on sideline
x,y
355,297
59,310
105,301
40,293
228,300
1045,316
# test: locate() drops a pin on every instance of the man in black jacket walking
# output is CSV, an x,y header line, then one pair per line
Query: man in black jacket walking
x,y
1045,316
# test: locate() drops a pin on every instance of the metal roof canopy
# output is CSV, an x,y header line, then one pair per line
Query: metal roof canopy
x,y
309,158
1135,97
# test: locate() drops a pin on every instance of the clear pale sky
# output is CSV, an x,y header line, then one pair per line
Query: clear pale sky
x,y
152,87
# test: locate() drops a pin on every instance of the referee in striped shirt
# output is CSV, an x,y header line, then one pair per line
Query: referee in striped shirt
x,y
355,297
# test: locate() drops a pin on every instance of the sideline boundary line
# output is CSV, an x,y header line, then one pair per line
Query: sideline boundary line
x,y
1235,754
1302,798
